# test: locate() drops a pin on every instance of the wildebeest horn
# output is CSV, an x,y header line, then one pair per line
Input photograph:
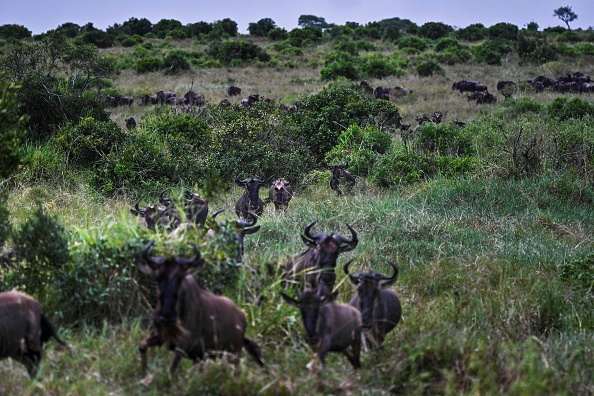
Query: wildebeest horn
x,y
345,267
189,195
389,280
244,224
144,260
350,243
194,262
141,211
217,213
163,199
307,237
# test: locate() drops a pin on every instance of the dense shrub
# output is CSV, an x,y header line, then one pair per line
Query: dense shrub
x,y
12,132
434,30
474,32
503,30
580,270
428,68
14,32
243,51
454,55
306,36
444,139
147,65
491,51
536,49
564,108
341,68
445,43
412,42
176,61
378,66
87,141
278,34
262,27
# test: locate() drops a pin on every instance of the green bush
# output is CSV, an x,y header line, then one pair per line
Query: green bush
x,y
474,32
278,34
343,68
374,66
147,65
564,108
537,49
434,30
580,270
503,30
241,51
428,68
443,139
454,55
87,141
585,48
446,43
12,129
412,42
176,61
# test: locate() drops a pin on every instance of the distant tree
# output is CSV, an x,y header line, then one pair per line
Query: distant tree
x,y
226,27
199,28
532,26
12,31
434,30
474,32
566,15
262,27
503,30
401,24
137,26
312,21
89,34
69,29
166,26
392,33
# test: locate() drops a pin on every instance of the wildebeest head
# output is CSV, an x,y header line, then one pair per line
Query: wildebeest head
x,y
280,193
369,285
309,303
252,186
169,273
329,246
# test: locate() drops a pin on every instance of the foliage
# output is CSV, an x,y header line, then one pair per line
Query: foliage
x,y
412,42
444,139
224,28
503,31
69,29
262,27
49,98
453,55
147,65
566,14
428,68
87,141
474,32
535,49
165,26
446,43
580,270
491,51
306,21
89,34
229,51
340,68
12,132
434,30
278,34
564,108
176,61
14,32
306,36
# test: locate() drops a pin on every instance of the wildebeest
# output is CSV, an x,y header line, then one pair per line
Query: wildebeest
x,y
250,100
24,329
468,86
164,96
382,93
329,326
289,108
111,101
365,87
233,91
194,99
189,320
224,102
250,199
340,175
482,97
151,216
317,264
130,123
280,193
502,84
380,307
125,100
195,207
149,99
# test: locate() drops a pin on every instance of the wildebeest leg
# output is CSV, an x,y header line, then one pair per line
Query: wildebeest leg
x,y
354,355
154,339
177,356
31,361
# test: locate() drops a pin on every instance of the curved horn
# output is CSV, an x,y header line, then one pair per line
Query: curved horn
x,y
345,267
189,195
389,280
217,213
194,262
306,231
244,224
141,211
350,243
163,199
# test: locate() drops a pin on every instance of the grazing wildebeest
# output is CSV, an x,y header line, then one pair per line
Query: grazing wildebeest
x,y
250,100
468,86
289,108
189,320
382,93
502,84
24,329
317,264
280,193
149,99
233,91
195,99
111,101
250,199
125,100
130,123
329,326
340,174
224,102
482,97
164,96
380,307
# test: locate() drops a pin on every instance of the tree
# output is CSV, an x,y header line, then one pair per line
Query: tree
x,y
434,30
9,32
312,21
262,27
12,131
69,29
566,15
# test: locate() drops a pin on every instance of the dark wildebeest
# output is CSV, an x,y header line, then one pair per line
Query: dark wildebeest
x,y
503,84
317,264
340,174
250,200
151,216
329,326
164,96
196,208
125,100
111,101
149,99
482,97
280,193
365,87
130,123
382,93
24,329
189,320
224,103
195,99
468,86
380,307
250,100
233,91
289,108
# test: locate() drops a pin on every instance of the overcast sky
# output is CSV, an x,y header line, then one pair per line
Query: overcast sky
x,y
40,16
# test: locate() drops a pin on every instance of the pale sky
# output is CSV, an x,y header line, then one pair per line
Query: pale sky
x,y
40,16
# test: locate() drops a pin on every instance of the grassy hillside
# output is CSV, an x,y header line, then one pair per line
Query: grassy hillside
x,y
493,242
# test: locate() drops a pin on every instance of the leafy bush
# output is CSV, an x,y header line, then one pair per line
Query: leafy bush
x,y
564,108
147,65
434,30
474,32
306,36
537,49
176,61
446,43
585,48
377,66
342,68
12,132
88,140
580,270
444,139
454,55
412,42
278,34
428,68
503,30
239,51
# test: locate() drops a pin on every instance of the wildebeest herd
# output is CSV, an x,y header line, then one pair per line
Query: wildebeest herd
x,y
196,324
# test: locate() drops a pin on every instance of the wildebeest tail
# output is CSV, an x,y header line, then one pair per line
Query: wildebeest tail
x,y
48,331
254,350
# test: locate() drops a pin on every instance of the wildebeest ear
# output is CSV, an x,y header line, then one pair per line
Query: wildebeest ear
x,y
134,212
290,300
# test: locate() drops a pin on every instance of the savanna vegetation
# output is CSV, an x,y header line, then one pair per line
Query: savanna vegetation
x,y
491,224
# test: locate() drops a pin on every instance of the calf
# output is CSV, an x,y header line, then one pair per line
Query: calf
x,y
380,307
189,320
280,193
24,329
329,327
